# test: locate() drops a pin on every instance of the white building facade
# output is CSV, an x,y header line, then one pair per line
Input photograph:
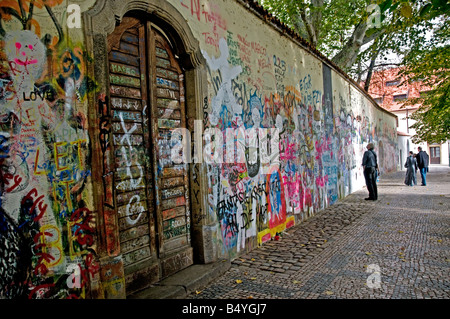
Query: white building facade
x,y
438,153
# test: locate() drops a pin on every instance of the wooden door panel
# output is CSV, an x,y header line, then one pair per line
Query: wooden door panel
x,y
150,191
133,180
169,113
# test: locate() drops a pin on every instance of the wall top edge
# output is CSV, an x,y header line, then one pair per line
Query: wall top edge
x,y
274,22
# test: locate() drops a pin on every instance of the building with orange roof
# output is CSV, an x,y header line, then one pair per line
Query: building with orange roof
x,y
390,90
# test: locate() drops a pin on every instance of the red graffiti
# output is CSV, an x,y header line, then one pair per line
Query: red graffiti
x,y
83,231
12,66
38,288
82,277
38,202
194,6
91,269
44,257
8,177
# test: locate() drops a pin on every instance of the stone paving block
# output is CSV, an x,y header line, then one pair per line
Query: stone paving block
x,y
406,234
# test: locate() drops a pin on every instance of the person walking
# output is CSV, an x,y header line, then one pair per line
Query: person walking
x,y
370,167
411,168
422,164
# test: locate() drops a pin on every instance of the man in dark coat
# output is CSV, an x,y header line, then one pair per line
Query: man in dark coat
x,y
422,163
370,166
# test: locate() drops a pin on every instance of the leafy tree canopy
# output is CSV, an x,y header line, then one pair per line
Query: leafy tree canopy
x,y
358,36
430,63
346,30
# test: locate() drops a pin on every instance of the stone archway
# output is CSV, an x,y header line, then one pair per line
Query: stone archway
x,y
99,25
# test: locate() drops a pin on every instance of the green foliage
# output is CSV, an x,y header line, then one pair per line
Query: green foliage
x,y
332,26
337,19
340,28
430,63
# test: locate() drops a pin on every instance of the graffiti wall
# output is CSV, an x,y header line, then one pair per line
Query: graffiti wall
x,y
283,133
260,80
47,225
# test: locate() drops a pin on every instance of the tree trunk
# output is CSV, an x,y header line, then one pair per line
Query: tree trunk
x,y
347,56
369,74
309,24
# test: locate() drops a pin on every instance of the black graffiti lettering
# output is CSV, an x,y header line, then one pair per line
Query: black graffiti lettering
x,y
231,227
217,82
104,137
33,95
196,192
247,218
205,111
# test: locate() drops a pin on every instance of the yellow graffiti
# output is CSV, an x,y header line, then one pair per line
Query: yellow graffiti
x,y
115,287
59,155
68,200
52,245
278,229
36,161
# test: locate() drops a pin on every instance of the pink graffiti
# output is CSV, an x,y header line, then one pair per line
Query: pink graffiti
x,y
322,147
293,186
289,152
26,62
321,181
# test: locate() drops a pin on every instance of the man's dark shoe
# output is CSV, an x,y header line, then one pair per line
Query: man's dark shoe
x,y
368,198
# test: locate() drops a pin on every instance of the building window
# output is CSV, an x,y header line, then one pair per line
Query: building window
x,y
435,155
417,80
393,83
379,100
435,151
400,97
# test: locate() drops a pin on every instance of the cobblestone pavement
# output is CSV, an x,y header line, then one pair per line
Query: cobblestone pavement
x,y
397,247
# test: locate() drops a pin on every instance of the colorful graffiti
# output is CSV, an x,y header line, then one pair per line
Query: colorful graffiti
x,y
320,144
47,230
259,96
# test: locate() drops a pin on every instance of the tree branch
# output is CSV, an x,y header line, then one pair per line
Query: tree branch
x,y
347,56
307,24
373,36
316,18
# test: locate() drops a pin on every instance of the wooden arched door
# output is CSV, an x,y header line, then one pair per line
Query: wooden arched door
x,y
151,192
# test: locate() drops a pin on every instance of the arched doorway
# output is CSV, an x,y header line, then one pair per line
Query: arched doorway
x,y
151,193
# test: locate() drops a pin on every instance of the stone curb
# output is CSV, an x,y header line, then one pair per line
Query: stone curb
x,y
184,282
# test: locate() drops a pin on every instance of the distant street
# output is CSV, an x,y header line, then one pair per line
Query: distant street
x,y
397,247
